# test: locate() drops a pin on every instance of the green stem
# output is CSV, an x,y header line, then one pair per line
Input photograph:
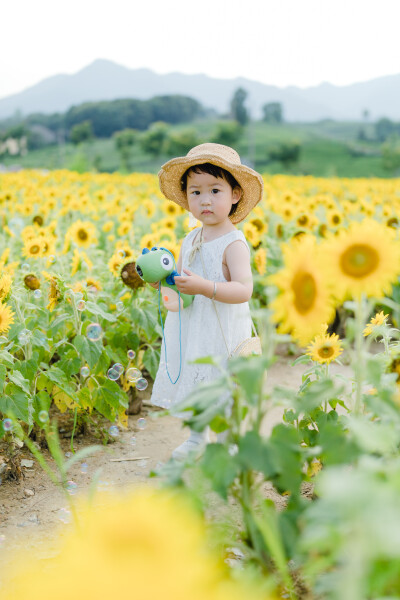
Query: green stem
x,y
73,429
358,365
28,347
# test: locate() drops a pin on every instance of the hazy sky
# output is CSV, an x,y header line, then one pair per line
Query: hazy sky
x,y
281,42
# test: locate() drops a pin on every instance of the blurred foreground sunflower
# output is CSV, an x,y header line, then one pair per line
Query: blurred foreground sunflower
x,y
144,545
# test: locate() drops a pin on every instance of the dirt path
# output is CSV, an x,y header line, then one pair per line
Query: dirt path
x,y
32,519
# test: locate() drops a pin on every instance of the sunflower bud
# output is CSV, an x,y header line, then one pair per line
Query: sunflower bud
x,y
130,277
32,282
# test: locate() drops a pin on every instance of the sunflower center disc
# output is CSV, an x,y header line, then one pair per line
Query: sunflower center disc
x,y
359,261
304,288
326,351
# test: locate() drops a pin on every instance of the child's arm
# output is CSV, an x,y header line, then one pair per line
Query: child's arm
x,y
236,291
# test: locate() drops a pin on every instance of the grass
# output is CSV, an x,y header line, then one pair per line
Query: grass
x,y
328,149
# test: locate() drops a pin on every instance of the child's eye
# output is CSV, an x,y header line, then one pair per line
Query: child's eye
x,y
195,192
215,191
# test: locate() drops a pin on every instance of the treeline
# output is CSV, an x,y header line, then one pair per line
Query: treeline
x,y
105,117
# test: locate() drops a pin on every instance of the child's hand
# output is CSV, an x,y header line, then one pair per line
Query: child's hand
x,y
191,283
154,285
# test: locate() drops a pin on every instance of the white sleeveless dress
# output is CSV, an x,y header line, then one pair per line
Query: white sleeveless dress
x,y
201,333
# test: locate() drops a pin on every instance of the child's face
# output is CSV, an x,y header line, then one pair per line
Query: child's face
x,y
210,198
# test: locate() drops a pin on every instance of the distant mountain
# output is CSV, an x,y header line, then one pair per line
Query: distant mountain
x,y
106,80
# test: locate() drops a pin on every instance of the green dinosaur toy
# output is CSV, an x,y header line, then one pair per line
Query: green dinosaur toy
x,y
158,264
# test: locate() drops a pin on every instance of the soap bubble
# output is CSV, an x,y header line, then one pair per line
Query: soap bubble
x,y
84,467
142,424
131,354
85,372
121,253
23,336
78,296
94,332
141,384
8,425
51,259
37,294
133,374
72,488
113,431
113,374
43,416
120,306
64,515
25,268
119,368
68,454
81,305
133,441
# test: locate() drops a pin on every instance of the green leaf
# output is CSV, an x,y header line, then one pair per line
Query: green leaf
x,y
284,445
17,378
109,393
220,468
15,404
254,454
6,357
250,372
3,373
95,309
90,351
58,320
301,360
151,359
58,377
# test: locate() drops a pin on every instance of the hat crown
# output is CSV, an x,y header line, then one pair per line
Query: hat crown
x,y
217,150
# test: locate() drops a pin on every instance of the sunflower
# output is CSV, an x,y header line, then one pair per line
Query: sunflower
x,y
6,317
260,224
108,225
148,241
325,348
376,321
252,234
305,300
54,295
31,281
5,285
124,228
171,209
260,260
34,248
83,233
363,259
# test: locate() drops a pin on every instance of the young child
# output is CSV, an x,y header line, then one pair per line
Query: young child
x,y
219,191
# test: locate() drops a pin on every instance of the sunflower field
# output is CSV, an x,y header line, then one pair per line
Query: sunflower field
x,y
80,335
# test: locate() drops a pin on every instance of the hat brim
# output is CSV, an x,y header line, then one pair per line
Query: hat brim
x,y
249,180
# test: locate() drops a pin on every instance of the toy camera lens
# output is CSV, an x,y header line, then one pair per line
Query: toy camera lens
x,y
139,271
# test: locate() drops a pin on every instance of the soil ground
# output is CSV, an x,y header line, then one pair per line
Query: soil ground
x,y
30,509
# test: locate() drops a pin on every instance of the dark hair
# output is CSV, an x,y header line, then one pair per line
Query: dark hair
x,y
215,171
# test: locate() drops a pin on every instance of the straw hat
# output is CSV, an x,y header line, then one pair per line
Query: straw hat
x,y
249,180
